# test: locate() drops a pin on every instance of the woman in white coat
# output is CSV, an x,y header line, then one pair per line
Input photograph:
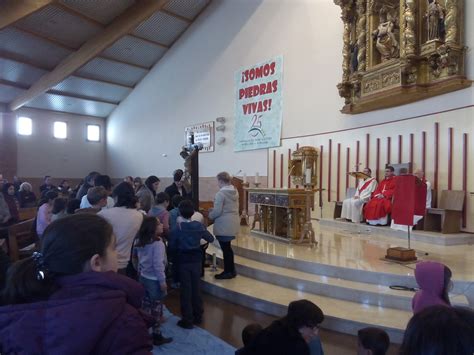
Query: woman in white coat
x,y
226,221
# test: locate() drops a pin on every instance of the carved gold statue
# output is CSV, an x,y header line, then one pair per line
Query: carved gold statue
x,y
386,41
400,51
435,20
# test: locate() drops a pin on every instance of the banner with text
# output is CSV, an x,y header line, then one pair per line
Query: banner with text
x,y
258,105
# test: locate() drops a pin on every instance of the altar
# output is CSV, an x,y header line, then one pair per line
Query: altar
x,y
280,213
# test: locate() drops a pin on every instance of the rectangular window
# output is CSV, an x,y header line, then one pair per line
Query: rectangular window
x,y
24,126
93,133
60,130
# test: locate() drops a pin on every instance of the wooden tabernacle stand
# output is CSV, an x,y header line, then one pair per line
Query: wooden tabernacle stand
x,y
280,213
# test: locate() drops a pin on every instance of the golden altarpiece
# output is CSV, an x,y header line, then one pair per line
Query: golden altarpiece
x,y
400,51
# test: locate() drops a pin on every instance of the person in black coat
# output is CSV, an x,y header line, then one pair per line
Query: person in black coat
x,y
47,185
177,188
88,183
290,335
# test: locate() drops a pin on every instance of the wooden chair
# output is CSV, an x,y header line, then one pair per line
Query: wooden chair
x,y
27,213
447,218
22,242
350,192
398,167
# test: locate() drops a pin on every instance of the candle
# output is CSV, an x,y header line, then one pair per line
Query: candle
x,y
245,178
307,179
256,178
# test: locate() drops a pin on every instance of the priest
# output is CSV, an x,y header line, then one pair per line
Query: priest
x,y
352,207
380,205
420,174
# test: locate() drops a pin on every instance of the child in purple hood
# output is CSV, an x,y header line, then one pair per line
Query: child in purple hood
x,y
434,280
68,299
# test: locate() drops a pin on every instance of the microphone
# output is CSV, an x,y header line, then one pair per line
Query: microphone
x,y
238,172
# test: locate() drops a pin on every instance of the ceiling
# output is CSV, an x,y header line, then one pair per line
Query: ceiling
x,y
84,56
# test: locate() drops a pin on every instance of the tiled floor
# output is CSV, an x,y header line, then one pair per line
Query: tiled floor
x,y
226,320
363,252
344,274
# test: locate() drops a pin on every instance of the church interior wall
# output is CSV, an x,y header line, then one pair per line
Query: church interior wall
x,y
460,120
41,154
194,83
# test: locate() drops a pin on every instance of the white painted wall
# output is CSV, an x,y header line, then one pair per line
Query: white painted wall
x,y
194,83
41,154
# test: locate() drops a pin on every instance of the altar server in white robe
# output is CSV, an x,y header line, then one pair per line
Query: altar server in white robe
x,y
352,207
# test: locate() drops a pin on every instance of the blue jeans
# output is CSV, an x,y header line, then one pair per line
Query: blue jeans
x,y
190,298
152,289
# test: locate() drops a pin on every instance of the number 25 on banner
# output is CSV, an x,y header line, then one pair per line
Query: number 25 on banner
x,y
256,127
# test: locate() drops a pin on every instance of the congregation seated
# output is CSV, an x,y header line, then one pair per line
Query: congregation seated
x,y
73,205
47,185
45,211
378,208
26,196
59,209
372,341
65,189
352,207
8,206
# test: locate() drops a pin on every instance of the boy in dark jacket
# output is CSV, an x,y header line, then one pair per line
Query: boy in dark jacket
x,y
184,241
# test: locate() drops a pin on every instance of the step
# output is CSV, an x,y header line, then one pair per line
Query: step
x,y
377,295
340,315
418,236
342,264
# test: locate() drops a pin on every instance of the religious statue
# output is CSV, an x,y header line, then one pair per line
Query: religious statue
x,y
435,20
395,52
386,42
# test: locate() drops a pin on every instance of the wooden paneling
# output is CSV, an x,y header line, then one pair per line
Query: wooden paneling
x,y
329,169
377,159
348,155
436,160
281,170
338,176
389,150
274,168
465,143
450,158
400,148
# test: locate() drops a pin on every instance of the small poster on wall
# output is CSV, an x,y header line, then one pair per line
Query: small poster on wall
x,y
203,133
258,105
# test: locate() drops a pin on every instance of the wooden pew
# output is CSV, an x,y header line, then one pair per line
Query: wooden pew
x,y
21,241
27,213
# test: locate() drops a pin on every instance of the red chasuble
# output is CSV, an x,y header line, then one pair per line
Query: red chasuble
x,y
409,199
377,208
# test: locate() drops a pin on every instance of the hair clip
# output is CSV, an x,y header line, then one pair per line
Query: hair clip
x,y
40,268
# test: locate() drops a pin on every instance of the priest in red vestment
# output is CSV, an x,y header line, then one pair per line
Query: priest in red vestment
x,y
380,205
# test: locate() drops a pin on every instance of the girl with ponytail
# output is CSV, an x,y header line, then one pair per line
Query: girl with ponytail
x,y
69,299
